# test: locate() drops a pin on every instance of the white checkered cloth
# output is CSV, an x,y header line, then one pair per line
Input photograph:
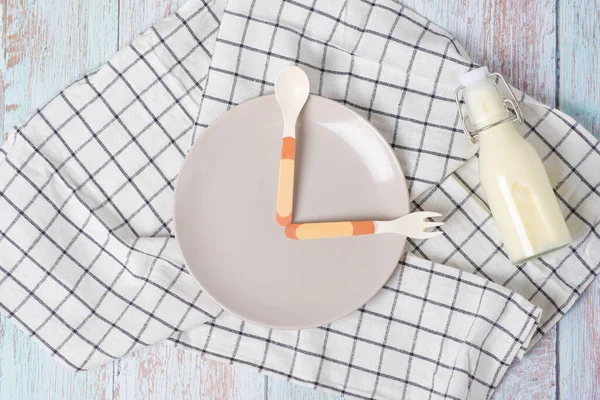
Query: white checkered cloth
x,y
90,269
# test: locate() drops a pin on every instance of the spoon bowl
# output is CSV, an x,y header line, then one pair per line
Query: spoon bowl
x,y
291,90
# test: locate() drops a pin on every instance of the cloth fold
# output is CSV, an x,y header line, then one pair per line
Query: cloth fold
x,y
89,266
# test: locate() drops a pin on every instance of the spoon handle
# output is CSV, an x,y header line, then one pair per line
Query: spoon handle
x,y
285,191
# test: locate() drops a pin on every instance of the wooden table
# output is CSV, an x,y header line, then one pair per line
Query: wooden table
x,y
550,48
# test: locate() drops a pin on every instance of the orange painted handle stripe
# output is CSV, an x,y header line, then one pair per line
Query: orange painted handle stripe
x,y
285,192
321,230
283,220
288,148
363,228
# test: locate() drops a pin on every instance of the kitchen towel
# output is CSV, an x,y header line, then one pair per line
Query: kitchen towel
x,y
90,269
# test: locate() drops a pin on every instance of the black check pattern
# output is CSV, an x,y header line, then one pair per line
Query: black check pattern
x,y
90,269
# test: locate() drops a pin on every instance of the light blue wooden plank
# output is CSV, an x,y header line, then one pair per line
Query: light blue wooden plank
x,y
281,389
165,372
45,46
223,381
533,377
579,348
516,38
28,372
49,44
137,16
579,35
579,96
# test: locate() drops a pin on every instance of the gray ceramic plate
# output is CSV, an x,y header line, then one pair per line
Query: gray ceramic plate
x,y
225,213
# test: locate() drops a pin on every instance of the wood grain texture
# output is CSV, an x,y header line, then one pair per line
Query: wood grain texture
x,y
513,37
164,372
282,390
222,381
579,40
579,96
47,45
28,372
533,377
137,16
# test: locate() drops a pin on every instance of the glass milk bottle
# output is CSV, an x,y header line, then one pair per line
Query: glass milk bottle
x,y
516,185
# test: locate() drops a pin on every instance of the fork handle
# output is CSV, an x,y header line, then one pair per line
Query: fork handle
x,y
321,230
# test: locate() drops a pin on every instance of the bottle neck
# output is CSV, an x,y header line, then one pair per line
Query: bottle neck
x,y
485,105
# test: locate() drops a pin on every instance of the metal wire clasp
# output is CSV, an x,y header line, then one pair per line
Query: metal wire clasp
x,y
512,105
